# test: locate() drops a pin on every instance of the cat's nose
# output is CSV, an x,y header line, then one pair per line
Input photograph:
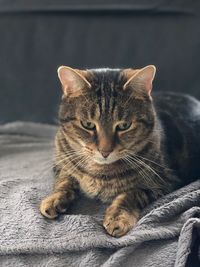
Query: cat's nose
x,y
105,154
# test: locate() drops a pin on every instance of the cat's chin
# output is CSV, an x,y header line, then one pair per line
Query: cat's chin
x,y
104,161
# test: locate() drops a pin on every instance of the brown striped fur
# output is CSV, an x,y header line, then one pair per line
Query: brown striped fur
x,y
140,171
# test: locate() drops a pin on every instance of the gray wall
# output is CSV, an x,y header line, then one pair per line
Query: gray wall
x,y
36,38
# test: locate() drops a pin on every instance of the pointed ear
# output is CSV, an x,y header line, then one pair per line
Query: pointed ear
x,y
142,78
73,81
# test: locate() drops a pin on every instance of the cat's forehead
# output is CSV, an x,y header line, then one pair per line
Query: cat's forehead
x,y
105,75
107,96
106,79
105,99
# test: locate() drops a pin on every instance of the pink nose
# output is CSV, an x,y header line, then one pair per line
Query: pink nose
x,y
105,154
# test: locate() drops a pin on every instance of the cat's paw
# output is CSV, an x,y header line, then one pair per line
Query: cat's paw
x,y
118,222
54,204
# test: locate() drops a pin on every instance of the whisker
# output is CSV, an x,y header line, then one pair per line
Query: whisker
x,y
148,168
133,164
162,166
151,168
145,175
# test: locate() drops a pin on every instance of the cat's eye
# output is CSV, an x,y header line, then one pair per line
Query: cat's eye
x,y
123,126
88,125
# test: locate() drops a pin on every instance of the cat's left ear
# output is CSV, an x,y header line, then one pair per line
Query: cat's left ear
x,y
142,78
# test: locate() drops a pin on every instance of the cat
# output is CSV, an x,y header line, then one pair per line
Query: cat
x,y
120,143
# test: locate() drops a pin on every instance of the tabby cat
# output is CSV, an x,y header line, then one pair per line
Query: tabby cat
x,y
119,143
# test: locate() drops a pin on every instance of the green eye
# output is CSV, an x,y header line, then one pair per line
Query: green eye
x,y
88,125
123,126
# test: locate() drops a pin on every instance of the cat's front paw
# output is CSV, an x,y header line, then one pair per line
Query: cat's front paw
x,y
118,222
54,204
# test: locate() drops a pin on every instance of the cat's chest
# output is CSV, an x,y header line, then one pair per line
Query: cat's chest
x,y
105,190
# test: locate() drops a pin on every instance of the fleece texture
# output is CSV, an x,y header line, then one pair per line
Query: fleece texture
x,y
168,233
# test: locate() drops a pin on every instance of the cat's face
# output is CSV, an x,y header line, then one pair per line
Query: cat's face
x,y
106,114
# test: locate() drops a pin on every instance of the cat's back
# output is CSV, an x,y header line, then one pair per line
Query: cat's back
x,y
180,118
185,106
179,111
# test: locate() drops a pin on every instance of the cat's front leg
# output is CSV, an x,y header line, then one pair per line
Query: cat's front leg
x,y
65,191
121,215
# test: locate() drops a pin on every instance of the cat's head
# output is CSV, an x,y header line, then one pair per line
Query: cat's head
x,y
106,114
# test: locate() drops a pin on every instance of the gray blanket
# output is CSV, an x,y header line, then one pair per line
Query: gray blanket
x,y
168,233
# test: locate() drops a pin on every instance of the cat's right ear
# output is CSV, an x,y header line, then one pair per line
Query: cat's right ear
x,y
73,81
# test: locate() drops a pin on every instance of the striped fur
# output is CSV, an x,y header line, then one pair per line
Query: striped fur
x,y
141,170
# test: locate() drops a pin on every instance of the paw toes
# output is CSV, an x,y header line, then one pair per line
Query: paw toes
x,y
119,225
48,210
53,205
117,229
50,213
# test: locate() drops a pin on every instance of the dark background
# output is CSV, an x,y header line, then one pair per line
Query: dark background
x,y
38,36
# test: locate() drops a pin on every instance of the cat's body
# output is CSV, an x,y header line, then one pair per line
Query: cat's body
x,y
122,147
180,118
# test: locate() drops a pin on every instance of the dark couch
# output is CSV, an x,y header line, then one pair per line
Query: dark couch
x,y
38,36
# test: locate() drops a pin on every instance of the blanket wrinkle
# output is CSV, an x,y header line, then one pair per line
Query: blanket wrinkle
x,y
167,234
